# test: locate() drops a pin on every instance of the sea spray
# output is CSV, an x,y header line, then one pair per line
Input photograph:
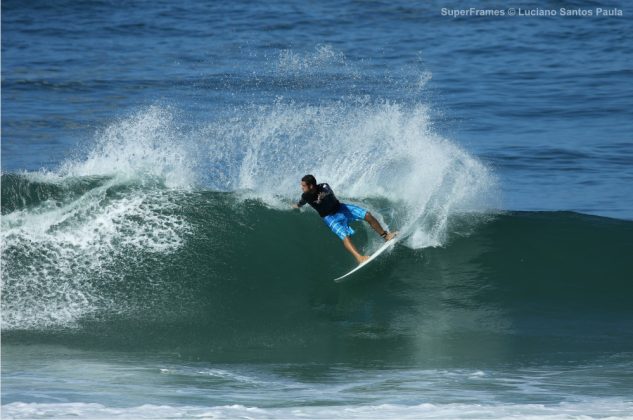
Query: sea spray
x,y
365,150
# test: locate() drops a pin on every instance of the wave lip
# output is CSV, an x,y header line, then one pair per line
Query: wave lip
x,y
145,145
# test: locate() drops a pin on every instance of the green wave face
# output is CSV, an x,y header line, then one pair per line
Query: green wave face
x,y
136,266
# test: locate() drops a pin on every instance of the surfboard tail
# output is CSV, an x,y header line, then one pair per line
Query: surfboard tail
x,y
373,256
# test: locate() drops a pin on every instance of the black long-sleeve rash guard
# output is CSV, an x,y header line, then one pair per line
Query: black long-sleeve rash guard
x,y
325,205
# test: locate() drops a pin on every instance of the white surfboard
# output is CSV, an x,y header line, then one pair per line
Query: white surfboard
x,y
379,251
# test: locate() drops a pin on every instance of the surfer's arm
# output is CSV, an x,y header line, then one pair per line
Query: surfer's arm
x,y
301,202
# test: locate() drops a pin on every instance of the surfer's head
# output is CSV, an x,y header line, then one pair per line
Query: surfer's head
x,y
308,182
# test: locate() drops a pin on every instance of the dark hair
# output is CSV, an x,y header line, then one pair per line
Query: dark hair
x,y
309,179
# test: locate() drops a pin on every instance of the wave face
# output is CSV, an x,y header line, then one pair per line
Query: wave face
x,y
126,262
178,238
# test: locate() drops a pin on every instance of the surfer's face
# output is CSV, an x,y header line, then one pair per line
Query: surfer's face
x,y
305,187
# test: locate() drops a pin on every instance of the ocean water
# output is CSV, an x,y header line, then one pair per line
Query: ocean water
x,y
152,267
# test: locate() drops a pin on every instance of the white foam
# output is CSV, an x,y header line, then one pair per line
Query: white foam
x,y
70,245
69,248
602,408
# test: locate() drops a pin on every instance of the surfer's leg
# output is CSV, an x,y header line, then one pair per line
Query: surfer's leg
x,y
376,225
352,249
337,222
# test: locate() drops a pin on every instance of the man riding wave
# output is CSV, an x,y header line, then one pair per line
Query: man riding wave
x,y
337,215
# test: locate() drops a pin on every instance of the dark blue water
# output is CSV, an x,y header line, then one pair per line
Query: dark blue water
x,y
122,120
547,102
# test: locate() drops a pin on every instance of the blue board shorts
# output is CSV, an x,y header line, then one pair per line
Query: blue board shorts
x,y
339,221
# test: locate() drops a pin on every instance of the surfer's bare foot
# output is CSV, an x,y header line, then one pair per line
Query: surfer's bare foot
x,y
390,235
362,258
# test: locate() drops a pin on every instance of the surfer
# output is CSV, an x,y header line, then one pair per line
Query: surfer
x,y
337,215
